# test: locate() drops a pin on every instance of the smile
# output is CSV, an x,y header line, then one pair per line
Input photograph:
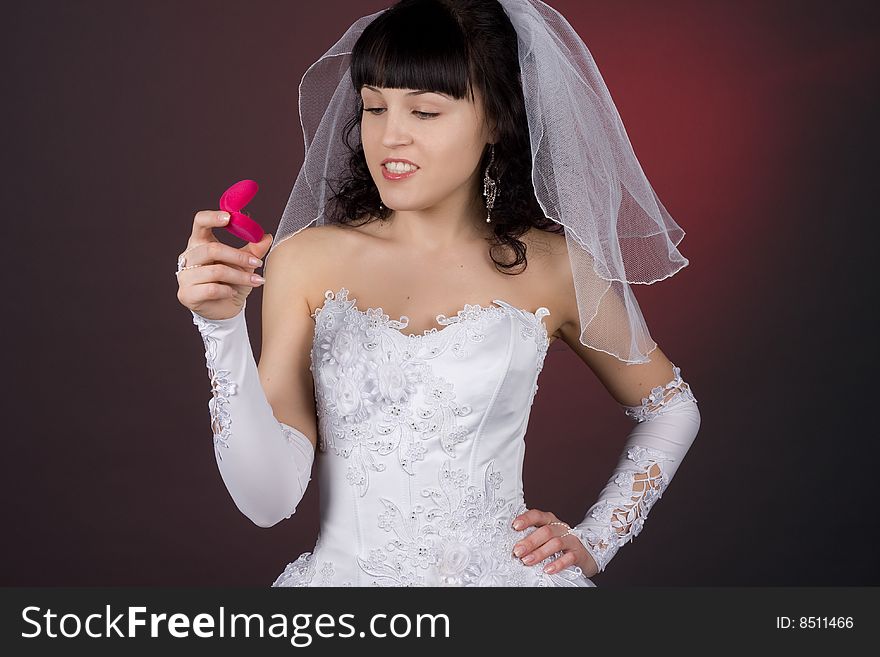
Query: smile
x,y
390,175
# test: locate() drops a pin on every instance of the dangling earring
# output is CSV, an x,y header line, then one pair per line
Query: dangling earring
x,y
490,185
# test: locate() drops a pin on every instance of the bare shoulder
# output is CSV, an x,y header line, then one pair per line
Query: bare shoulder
x,y
309,260
309,246
547,252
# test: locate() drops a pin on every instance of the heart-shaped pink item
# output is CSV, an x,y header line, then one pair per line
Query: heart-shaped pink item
x,y
232,201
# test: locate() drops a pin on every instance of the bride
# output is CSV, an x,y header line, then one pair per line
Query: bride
x,y
404,332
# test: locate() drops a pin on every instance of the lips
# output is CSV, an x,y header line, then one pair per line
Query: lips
x,y
398,159
390,175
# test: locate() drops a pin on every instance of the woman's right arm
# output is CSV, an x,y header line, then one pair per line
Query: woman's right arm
x,y
260,419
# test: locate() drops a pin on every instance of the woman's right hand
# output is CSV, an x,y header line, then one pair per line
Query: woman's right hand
x,y
218,288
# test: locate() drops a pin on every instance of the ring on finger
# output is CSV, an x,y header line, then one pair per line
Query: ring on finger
x,y
180,265
181,261
180,269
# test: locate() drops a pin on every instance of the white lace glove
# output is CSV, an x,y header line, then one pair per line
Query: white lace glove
x,y
265,464
668,422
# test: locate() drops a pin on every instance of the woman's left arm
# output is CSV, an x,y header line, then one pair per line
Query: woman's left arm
x,y
651,393
665,409
668,421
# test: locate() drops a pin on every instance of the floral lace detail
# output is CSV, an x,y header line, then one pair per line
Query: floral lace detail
x,y
365,405
462,538
327,574
615,521
379,402
661,398
471,318
297,573
302,571
221,386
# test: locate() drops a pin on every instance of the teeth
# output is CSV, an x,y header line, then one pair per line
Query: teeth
x,y
399,167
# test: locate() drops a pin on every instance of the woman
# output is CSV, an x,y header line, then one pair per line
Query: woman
x,y
419,422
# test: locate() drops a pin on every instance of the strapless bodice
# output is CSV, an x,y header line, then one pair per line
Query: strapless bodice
x,y
420,448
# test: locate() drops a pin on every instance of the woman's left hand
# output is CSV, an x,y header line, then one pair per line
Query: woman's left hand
x,y
547,540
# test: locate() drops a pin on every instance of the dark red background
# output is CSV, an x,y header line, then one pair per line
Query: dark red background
x,y
754,121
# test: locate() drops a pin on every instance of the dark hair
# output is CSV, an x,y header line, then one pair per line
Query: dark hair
x,y
448,46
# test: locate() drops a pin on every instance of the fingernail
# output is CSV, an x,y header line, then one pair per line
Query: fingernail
x,y
529,558
255,262
258,279
519,550
517,524
224,216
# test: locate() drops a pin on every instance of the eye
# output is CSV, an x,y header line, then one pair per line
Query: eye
x,y
423,115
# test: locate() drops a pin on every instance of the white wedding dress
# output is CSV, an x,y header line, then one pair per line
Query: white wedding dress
x,y
421,447
421,441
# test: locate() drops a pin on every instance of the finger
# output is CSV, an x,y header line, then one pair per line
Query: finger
x,y
211,291
222,274
204,224
259,249
526,519
532,541
566,560
543,551
218,252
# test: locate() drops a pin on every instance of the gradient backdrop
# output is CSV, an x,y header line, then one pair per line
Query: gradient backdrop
x,y
755,122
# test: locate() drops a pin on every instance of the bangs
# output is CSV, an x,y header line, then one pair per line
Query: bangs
x,y
415,46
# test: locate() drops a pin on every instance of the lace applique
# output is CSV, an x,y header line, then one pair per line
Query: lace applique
x,y
301,573
327,574
463,538
616,520
661,398
365,403
471,319
472,322
532,327
297,573
221,386
397,427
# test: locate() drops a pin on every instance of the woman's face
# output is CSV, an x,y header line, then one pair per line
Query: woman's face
x,y
442,136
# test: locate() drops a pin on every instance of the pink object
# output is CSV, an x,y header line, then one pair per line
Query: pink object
x,y
232,201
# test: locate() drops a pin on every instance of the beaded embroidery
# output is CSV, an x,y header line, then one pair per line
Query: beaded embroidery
x,y
365,401
221,386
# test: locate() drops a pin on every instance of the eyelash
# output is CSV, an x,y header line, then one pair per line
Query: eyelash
x,y
424,115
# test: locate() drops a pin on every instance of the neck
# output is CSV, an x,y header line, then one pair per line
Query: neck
x,y
442,227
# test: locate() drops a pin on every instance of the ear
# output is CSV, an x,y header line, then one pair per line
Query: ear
x,y
492,135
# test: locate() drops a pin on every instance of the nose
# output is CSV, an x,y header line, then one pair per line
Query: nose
x,y
394,131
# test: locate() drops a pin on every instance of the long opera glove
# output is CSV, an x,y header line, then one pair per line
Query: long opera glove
x,y
668,422
265,464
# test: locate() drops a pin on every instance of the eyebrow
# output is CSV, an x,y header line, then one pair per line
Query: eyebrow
x,y
413,93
